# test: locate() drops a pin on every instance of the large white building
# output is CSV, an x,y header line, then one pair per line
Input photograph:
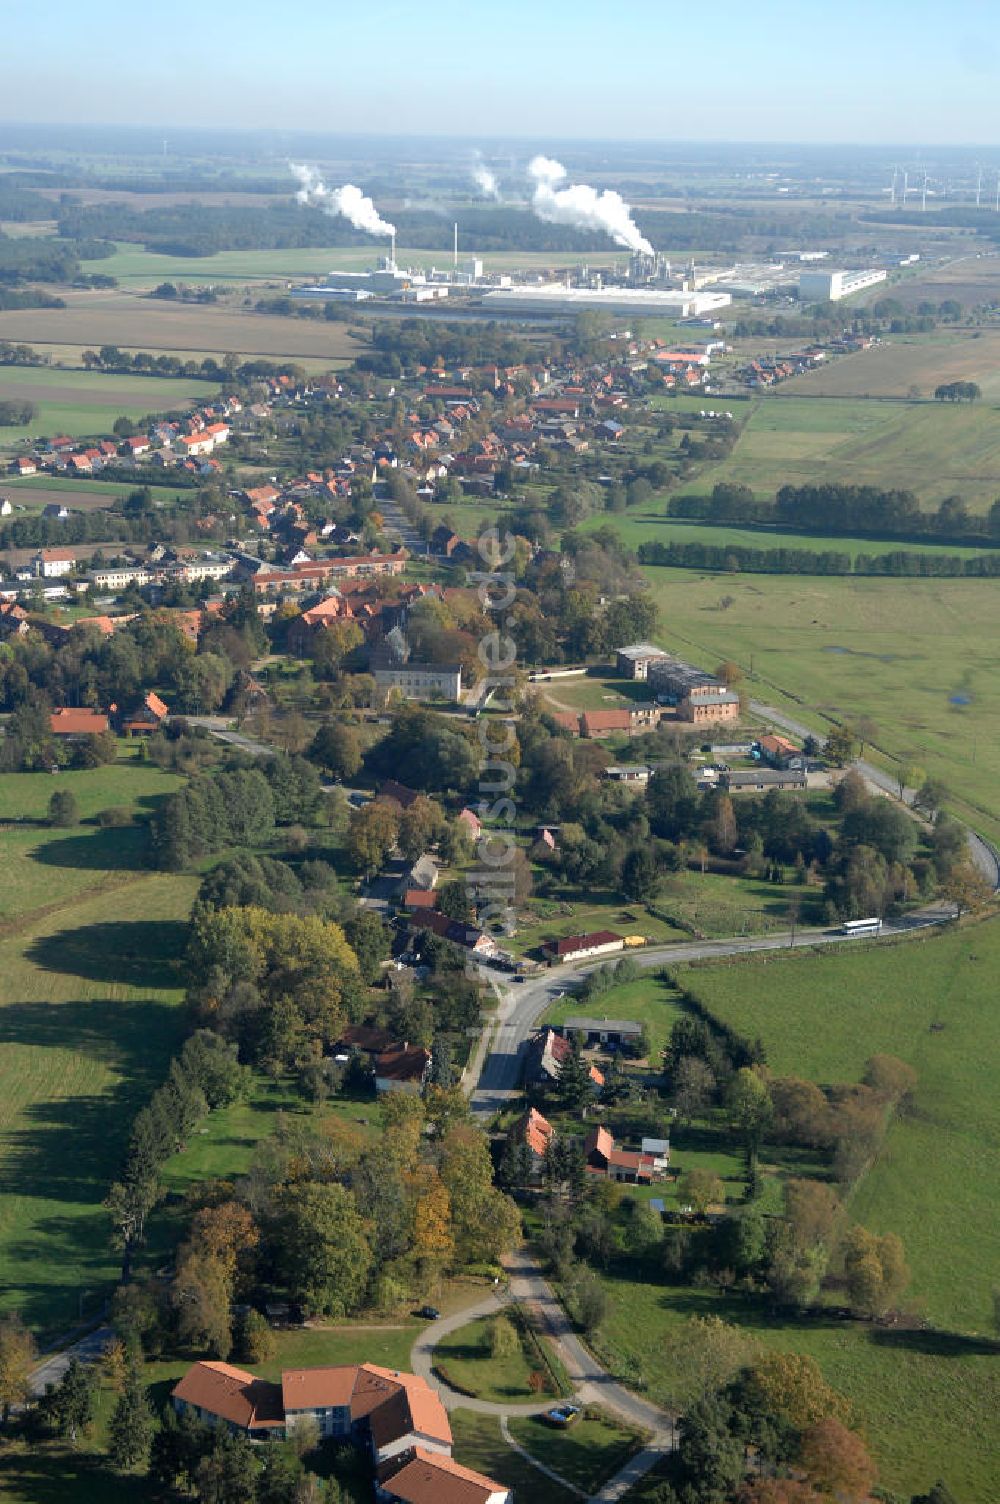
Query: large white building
x,y
830,287
556,298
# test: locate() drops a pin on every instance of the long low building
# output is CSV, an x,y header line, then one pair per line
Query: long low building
x,y
580,947
831,286
556,298
397,1418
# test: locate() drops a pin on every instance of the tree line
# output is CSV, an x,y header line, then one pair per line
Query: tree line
x,y
830,508
733,558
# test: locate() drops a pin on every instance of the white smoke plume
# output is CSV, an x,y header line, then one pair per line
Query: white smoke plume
x,y
484,179
348,201
582,207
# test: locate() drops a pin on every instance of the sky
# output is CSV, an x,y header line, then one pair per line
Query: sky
x,y
760,70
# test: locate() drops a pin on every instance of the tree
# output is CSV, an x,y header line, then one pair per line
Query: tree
x,y
453,900
372,832
322,1248
228,1474
709,1456
17,1358
791,1385
640,877
69,1404
419,826
875,1270
931,797
63,809
694,1084
811,1210
574,1085
588,1300
749,1105
700,1188
252,1337
130,1432
485,1222
371,941
840,744
201,1294
891,1078
836,1460
966,887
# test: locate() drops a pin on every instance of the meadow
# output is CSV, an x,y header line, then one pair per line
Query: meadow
x,y
641,526
89,943
930,448
919,657
88,402
925,1397
931,1002
88,1022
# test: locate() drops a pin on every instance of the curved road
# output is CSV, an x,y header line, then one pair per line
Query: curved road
x,y
501,1053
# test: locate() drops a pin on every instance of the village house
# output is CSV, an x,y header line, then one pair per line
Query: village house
x,y
618,1033
546,1052
629,721
581,947
147,717
779,752
466,936
53,563
74,722
401,1068
536,1133
759,780
604,1158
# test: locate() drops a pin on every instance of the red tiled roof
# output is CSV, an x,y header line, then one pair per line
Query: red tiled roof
x,y
573,943
402,1063
71,721
231,1393
605,720
318,1388
534,1130
429,1478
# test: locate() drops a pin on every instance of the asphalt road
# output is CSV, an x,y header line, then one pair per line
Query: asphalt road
x,y
523,1004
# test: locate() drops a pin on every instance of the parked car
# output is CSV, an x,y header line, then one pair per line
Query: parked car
x,y
562,1415
429,1313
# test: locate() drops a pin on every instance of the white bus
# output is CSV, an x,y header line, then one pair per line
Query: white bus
x,y
856,928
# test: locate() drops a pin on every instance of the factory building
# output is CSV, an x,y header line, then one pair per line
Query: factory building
x,y
556,298
830,287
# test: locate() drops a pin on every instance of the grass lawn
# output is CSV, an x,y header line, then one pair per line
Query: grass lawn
x,y
926,1404
54,866
88,402
587,1454
899,651
468,1358
717,904
649,1001
575,913
88,1022
37,491
479,1445
933,1003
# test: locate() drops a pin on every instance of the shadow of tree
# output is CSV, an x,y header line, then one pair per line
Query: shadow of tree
x,y
138,953
933,1344
112,850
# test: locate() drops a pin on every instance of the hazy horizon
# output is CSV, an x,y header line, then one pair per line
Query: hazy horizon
x,y
771,74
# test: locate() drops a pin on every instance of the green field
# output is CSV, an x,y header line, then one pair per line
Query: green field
x,y
54,866
932,1002
88,1023
89,940
933,449
36,491
927,1405
894,650
642,526
925,1397
88,402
